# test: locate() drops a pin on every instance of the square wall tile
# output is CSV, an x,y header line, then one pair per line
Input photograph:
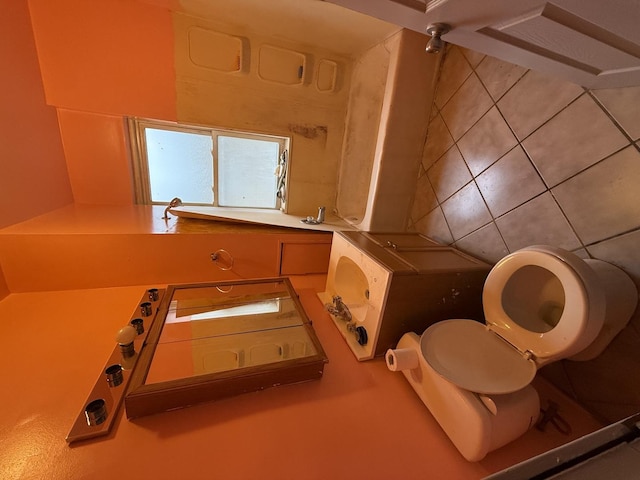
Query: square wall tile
x,y
454,71
486,141
534,100
579,136
603,201
424,200
434,225
449,174
466,107
486,243
622,104
498,76
538,222
438,141
509,182
466,211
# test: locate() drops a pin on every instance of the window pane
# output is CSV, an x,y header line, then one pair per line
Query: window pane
x,y
246,172
180,165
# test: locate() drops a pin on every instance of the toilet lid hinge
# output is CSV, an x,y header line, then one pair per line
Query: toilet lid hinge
x,y
528,355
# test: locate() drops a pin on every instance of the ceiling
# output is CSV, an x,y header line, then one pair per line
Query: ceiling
x,y
311,22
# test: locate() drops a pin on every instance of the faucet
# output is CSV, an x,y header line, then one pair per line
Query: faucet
x,y
315,221
338,308
176,202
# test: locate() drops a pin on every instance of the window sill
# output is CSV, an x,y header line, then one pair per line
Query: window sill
x,y
258,216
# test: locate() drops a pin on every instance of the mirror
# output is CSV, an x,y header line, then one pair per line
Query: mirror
x,y
214,340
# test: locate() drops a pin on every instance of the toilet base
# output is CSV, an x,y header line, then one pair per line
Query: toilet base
x,y
621,298
476,424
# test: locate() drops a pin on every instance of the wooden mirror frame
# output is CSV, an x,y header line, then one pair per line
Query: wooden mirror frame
x,y
146,399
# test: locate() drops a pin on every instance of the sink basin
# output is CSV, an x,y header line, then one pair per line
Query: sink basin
x,y
362,283
391,291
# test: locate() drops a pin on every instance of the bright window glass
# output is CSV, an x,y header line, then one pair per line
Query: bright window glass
x,y
207,166
180,165
246,169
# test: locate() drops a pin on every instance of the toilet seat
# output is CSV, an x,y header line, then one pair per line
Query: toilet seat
x,y
520,336
581,319
471,356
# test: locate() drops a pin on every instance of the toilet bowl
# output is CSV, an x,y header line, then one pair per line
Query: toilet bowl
x,y
541,304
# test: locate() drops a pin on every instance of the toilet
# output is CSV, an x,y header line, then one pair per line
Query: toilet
x,y
541,304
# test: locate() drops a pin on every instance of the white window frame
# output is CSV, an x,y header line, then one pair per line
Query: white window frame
x,y
142,184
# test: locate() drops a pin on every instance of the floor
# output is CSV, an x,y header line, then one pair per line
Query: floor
x,y
359,421
516,158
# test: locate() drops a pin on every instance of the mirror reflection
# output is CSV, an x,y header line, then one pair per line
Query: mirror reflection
x,y
209,329
216,340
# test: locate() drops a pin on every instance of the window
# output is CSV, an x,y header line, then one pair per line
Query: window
x,y
208,166
243,310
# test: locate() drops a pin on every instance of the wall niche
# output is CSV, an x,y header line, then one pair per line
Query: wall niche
x,y
280,65
218,51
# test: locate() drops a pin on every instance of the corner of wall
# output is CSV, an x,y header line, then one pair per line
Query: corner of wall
x,y
97,158
4,288
34,179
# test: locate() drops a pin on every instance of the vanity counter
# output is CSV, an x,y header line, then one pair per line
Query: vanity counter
x,y
359,421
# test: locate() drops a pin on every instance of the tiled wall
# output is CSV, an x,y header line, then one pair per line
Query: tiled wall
x,y
515,158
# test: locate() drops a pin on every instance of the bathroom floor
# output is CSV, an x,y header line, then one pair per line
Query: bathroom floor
x,y
515,158
359,421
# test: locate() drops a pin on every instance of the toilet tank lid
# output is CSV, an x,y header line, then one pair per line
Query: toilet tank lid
x,y
474,358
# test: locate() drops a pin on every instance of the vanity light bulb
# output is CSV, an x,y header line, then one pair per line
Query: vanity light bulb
x,y
126,335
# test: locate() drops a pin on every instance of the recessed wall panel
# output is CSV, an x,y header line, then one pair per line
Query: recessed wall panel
x,y
215,50
280,65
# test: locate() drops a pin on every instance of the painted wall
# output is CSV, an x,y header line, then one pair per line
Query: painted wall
x,y
311,424
106,56
34,174
265,94
97,157
4,288
129,58
100,61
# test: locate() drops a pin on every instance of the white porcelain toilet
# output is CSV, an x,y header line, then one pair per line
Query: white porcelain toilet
x,y
541,304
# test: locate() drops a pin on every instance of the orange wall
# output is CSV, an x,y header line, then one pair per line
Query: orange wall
x,y
4,288
106,56
97,158
34,174
102,60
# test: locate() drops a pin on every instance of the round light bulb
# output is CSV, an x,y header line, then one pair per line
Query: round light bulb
x,y
126,335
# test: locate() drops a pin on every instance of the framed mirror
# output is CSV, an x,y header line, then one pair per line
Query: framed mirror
x,y
215,340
